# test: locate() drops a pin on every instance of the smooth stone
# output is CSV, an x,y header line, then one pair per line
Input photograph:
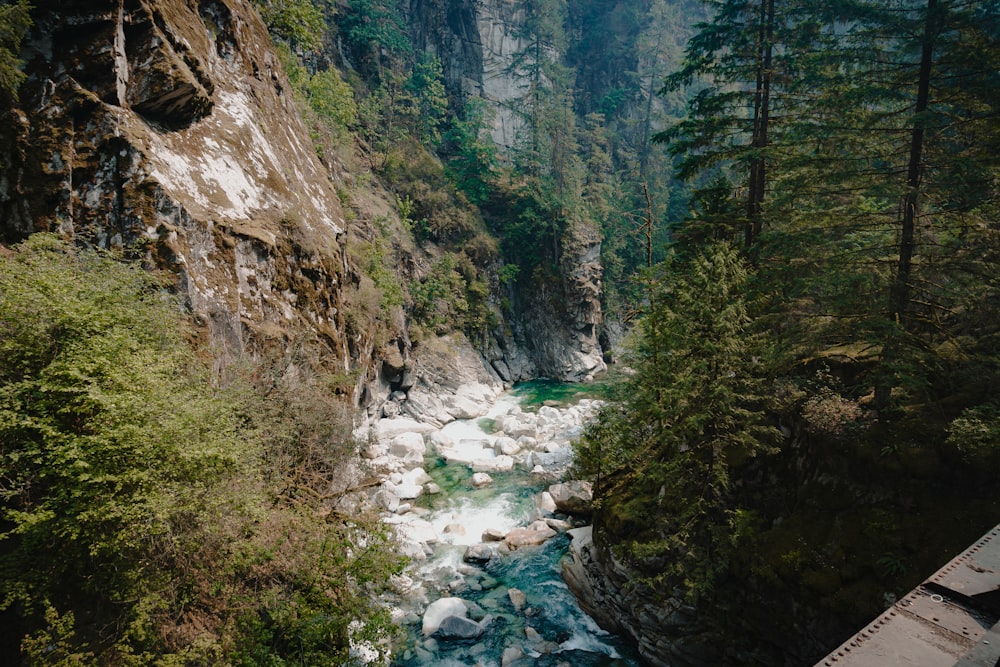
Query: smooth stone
x,y
408,447
386,429
458,627
545,504
493,535
417,476
480,553
439,610
575,497
454,529
481,479
408,491
511,654
505,445
517,598
530,536
502,463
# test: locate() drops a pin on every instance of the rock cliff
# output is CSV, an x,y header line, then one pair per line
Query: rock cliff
x,y
169,129
557,316
165,127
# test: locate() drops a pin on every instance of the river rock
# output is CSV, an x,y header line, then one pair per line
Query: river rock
x,y
493,535
408,447
574,497
451,380
441,440
505,445
535,534
500,463
517,598
416,476
481,479
511,654
481,553
375,450
458,627
386,499
527,442
544,504
431,488
454,529
549,460
387,429
439,610
558,525
408,491
413,529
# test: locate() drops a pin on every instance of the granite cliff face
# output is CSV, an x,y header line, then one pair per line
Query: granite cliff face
x,y
557,316
165,127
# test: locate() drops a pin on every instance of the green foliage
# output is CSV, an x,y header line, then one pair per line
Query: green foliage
x,y
426,86
372,26
692,413
452,296
301,23
147,514
474,159
14,23
976,435
332,99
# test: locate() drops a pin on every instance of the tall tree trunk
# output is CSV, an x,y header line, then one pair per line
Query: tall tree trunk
x,y
761,117
899,291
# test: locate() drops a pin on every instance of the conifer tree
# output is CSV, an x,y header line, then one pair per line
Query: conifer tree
x,y
664,455
14,22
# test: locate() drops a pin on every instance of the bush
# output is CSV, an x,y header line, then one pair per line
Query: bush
x,y
147,515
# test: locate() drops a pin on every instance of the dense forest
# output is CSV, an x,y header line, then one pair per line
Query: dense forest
x,y
796,204
813,411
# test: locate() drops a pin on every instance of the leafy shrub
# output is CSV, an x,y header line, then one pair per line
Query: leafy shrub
x,y
299,22
147,515
332,99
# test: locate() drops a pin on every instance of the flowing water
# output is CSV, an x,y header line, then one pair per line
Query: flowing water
x,y
565,634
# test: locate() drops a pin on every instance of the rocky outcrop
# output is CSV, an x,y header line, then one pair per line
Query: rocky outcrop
x,y
168,128
667,633
557,317
560,316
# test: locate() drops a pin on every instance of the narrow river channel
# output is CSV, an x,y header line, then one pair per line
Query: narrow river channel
x,y
527,614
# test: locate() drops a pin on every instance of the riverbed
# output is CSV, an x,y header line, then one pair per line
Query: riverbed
x,y
526,614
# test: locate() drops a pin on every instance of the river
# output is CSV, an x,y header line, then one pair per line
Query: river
x,y
546,627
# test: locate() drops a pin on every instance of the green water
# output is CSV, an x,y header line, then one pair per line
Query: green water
x,y
536,393
551,609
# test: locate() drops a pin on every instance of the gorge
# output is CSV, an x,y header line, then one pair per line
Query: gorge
x,y
274,274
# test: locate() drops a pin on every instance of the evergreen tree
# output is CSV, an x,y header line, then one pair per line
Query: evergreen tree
x,y
745,60
14,22
663,457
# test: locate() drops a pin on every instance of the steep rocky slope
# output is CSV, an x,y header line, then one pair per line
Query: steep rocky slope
x,y
169,129
165,127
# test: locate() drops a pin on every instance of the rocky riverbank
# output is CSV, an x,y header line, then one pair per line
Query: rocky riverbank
x,y
478,506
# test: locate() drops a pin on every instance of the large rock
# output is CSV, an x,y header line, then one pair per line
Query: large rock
x,y
450,381
496,464
409,448
575,497
535,534
458,627
481,553
439,610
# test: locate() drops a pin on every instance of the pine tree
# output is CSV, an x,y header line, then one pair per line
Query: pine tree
x,y
663,457
14,22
